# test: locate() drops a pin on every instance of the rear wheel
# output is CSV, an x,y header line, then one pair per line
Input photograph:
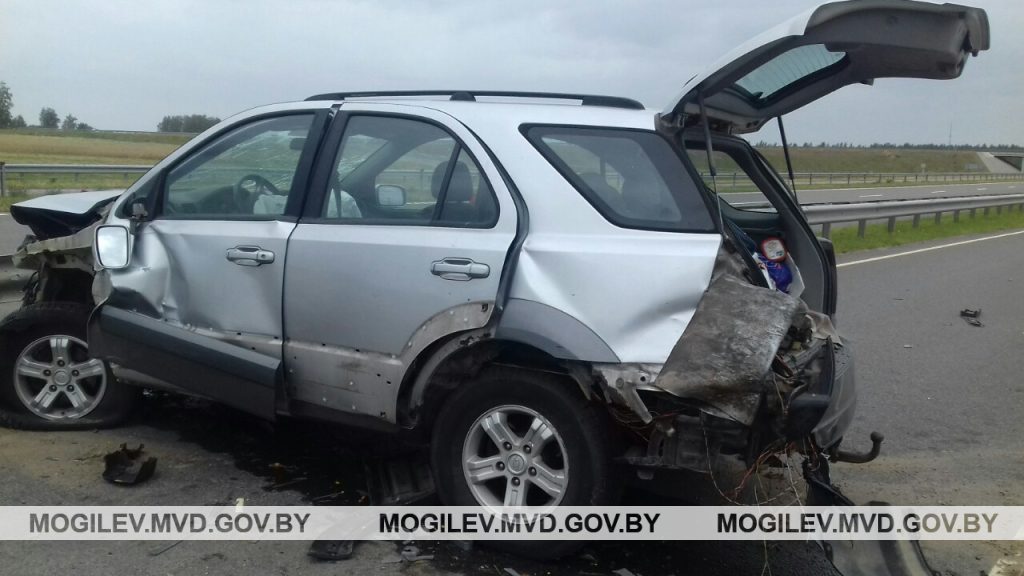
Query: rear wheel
x,y
48,381
523,438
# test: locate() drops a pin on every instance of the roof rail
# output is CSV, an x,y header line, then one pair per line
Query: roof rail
x,y
471,95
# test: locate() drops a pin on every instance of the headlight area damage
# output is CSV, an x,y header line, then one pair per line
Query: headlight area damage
x,y
755,393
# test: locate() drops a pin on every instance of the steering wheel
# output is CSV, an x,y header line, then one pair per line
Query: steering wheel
x,y
249,188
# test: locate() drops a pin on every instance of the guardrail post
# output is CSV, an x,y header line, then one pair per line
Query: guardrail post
x,y
3,180
999,210
956,216
917,220
985,213
861,226
973,211
891,225
826,229
938,217
848,176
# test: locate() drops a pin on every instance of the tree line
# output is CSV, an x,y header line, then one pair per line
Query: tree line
x,y
48,118
191,123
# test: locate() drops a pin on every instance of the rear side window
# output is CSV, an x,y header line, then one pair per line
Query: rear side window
x,y
634,178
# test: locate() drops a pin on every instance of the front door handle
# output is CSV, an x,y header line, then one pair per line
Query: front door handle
x,y
459,269
249,255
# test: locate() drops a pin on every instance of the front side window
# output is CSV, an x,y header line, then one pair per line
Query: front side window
x,y
396,170
246,173
634,178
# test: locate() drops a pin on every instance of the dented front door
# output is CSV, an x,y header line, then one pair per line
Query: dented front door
x,y
200,307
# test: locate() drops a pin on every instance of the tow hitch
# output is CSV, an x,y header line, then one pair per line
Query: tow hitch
x,y
862,457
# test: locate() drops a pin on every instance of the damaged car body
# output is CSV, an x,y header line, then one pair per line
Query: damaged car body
x,y
546,294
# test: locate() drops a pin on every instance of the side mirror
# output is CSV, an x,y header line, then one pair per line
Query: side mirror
x,y
391,196
112,247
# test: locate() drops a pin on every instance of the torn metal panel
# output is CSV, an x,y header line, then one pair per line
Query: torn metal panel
x,y
57,215
74,251
728,347
620,383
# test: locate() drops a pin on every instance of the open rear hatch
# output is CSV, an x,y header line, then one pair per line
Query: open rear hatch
x,y
735,334
826,48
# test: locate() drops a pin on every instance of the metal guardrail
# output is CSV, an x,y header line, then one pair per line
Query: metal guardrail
x,y
828,214
723,179
808,179
75,170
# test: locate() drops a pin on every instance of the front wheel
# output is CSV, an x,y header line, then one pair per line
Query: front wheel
x,y
48,381
523,438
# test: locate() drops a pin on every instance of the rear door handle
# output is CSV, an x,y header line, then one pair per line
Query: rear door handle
x,y
459,269
249,255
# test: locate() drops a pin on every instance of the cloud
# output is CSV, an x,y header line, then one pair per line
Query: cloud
x,y
123,64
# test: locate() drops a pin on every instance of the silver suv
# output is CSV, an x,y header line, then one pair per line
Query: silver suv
x,y
544,286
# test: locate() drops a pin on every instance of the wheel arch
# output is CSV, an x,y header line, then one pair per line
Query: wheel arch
x,y
448,365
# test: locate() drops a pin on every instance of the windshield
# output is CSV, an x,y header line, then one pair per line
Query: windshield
x,y
633,178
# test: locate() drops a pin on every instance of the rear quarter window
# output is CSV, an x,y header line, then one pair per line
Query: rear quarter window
x,y
632,177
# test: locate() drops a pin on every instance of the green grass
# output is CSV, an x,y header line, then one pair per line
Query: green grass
x,y
6,201
174,138
877,235
33,146
873,160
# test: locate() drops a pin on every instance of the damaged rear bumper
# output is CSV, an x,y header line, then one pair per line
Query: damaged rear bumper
x,y
756,380
862,557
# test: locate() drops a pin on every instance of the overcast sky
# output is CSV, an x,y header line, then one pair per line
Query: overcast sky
x,y
124,64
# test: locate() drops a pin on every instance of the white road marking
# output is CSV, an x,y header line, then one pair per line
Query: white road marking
x,y
871,196
980,189
929,249
938,191
1012,187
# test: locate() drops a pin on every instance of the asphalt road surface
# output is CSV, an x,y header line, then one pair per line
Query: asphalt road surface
x,y
947,395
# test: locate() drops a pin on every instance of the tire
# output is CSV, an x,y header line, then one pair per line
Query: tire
x,y
41,345
579,450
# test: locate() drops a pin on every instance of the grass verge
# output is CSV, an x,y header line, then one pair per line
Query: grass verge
x,y
877,235
6,201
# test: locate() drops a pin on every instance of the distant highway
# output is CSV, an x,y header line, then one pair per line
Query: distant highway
x,y
889,193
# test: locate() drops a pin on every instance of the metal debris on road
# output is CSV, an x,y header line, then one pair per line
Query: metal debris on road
x,y
159,551
331,550
408,553
411,553
401,481
126,467
971,316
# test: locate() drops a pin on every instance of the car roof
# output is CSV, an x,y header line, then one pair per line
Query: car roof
x,y
520,113
555,109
